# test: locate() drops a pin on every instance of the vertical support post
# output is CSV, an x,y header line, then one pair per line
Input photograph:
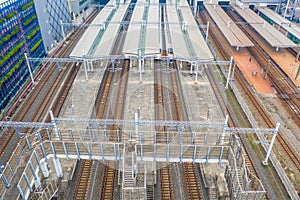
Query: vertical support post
x,y
224,129
136,125
48,133
62,30
207,154
232,75
102,151
140,64
228,76
298,72
267,69
265,162
77,151
141,152
33,171
118,135
196,77
206,34
6,183
27,182
154,152
28,143
194,154
298,54
181,152
53,122
221,154
21,192
168,153
65,150
38,135
89,150
85,70
53,149
71,134
37,159
29,68
115,151
10,169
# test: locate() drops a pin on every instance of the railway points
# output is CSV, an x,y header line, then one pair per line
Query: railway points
x,y
230,30
275,38
139,122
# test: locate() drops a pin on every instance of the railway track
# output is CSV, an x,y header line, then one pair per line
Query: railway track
x,y
83,180
285,89
36,106
167,188
259,109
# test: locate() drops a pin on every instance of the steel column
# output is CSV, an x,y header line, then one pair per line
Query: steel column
x,y
102,151
29,68
5,181
33,171
77,150
228,76
37,159
21,192
27,182
194,154
265,162
53,149
207,155
65,150
89,150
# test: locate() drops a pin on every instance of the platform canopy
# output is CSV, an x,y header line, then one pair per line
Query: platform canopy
x,y
143,31
153,36
289,26
86,42
184,36
273,36
110,35
233,34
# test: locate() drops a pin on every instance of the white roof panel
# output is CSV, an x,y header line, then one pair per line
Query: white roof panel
x,y
232,33
274,37
283,22
199,45
177,40
108,39
89,36
152,32
131,44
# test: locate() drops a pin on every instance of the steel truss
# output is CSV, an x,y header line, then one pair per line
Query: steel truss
x,y
107,122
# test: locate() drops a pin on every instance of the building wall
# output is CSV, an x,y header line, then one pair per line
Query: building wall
x,y
50,12
19,33
79,5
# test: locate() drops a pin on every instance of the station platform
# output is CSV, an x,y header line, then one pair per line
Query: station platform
x,y
282,22
230,30
87,43
274,37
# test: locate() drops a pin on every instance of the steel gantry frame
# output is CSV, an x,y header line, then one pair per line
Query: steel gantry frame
x,y
65,144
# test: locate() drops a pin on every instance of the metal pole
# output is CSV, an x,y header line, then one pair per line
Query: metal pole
x,y
232,75
196,77
286,8
62,30
298,72
265,162
85,70
228,77
206,35
53,123
298,54
28,64
268,66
